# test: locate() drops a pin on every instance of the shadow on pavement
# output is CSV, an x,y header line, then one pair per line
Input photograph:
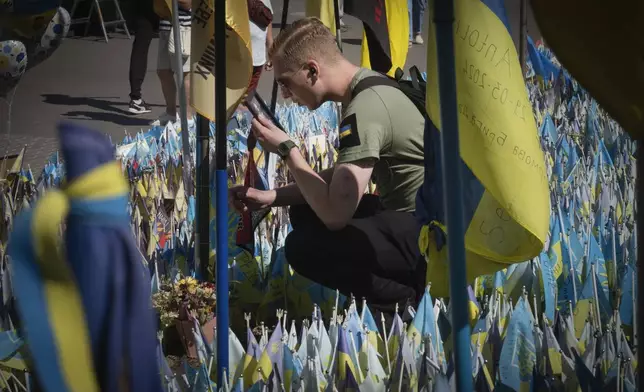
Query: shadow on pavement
x,y
118,119
109,110
352,41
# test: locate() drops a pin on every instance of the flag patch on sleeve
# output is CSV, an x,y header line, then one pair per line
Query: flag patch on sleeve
x,y
348,133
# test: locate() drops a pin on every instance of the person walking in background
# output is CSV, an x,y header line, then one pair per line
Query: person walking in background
x,y
166,64
146,22
416,15
260,13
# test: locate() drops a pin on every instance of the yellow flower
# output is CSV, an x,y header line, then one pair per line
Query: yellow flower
x,y
192,289
191,281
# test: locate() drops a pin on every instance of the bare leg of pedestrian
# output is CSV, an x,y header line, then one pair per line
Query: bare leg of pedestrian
x,y
169,88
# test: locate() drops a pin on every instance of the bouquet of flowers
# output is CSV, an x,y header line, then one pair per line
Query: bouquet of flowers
x,y
198,299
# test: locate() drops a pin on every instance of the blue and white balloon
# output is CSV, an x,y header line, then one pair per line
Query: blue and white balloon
x,y
54,34
13,64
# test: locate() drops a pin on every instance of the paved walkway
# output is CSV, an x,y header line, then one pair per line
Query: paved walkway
x,y
86,81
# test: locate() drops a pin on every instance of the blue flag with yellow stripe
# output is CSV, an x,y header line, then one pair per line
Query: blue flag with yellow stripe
x,y
85,298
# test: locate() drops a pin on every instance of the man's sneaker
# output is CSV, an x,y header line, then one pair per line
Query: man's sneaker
x,y
164,119
418,39
138,106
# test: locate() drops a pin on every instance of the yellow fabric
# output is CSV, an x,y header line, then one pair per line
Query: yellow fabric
x,y
239,62
498,142
557,268
323,10
64,305
398,26
89,186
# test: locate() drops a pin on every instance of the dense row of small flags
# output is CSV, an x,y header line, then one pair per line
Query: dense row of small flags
x,y
562,321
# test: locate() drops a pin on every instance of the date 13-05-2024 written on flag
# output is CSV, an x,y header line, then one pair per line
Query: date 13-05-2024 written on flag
x,y
506,205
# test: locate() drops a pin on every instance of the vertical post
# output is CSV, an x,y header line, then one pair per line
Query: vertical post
x,y
639,268
453,191
221,189
183,104
338,32
282,25
523,33
202,215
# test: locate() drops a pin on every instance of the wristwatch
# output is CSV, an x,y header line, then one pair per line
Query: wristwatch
x,y
284,148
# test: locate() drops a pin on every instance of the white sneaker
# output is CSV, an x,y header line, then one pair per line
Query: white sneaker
x,y
164,119
418,39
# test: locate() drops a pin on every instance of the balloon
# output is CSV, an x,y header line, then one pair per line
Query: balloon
x,y
13,63
6,6
56,30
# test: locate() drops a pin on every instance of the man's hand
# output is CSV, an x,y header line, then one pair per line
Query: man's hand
x,y
243,198
268,134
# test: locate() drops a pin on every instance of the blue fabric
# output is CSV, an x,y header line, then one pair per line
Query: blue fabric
x,y
114,285
429,199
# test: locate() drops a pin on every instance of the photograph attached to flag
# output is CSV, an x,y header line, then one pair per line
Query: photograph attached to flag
x,y
239,62
506,199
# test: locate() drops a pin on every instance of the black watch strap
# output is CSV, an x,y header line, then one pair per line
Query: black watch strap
x,y
284,148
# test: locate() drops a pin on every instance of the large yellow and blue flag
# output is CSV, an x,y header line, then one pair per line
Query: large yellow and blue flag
x,y
506,199
239,62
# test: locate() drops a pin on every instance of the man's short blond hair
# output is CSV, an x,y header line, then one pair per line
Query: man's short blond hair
x,y
304,40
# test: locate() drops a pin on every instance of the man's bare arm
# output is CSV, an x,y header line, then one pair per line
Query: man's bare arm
x,y
290,194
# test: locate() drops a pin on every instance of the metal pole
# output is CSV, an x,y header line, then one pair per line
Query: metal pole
x,y
282,26
338,32
523,33
221,182
639,332
202,215
183,105
453,192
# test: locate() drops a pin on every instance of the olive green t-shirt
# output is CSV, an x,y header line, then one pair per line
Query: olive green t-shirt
x,y
383,124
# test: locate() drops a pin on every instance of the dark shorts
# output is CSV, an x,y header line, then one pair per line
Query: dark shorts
x,y
376,256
